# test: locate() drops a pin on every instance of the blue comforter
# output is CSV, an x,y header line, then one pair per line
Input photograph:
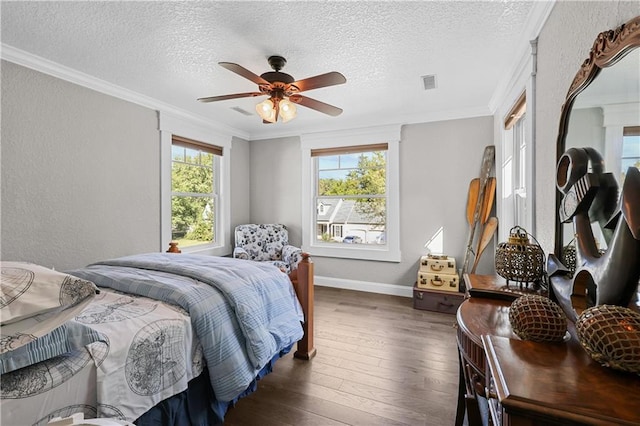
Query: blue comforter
x,y
244,313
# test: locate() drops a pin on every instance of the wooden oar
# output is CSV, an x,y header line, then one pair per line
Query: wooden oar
x,y
472,199
487,235
487,200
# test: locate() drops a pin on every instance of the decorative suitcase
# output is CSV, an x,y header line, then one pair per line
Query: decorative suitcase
x,y
442,282
437,301
438,264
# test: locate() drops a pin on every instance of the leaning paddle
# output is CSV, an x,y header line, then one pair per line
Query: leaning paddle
x,y
472,199
487,200
487,235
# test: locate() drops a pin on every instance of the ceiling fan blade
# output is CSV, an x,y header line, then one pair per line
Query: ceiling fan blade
x,y
234,96
317,105
242,71
322,80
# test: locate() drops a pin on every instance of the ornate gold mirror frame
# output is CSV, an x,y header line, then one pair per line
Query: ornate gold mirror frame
x,y
608,48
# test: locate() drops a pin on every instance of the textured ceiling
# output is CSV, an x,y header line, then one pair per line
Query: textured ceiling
x,y
169,51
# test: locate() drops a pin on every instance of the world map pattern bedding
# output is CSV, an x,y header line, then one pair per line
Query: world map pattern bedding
x,y
147,353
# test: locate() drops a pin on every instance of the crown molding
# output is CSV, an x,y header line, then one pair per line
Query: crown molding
x,y
37,63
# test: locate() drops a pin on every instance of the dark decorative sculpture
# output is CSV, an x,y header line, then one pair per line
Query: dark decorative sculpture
x,y
591,195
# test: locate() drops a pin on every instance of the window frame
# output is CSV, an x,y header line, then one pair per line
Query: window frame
x,y
390,252
516,168
216,152
207,135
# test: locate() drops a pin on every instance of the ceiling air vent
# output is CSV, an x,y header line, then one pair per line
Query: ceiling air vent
x,y
429,81
241,111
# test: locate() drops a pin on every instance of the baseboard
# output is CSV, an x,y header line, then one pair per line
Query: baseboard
x,y
370,287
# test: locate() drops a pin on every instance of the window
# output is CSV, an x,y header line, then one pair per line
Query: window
x,y
630,149
194,191
515,203
195,170
351,194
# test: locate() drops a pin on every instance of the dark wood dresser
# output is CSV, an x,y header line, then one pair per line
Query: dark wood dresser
x,y
508,381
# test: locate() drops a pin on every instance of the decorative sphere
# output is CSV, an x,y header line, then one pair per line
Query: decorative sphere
x,y
611,336
537,318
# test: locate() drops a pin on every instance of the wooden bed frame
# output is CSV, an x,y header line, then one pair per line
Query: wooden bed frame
x,y
302,280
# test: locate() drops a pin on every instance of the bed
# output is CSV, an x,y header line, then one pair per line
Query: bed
x,y
156,338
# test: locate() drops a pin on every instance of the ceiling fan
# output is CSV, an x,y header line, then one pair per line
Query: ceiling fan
x,y
283,91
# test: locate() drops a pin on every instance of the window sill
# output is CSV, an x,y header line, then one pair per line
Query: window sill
x,y
356,251
207,249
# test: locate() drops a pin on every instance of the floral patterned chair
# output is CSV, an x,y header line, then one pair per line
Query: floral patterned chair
x,y
267,243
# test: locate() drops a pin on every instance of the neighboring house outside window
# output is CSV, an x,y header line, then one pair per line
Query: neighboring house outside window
x,y
194,191
351,194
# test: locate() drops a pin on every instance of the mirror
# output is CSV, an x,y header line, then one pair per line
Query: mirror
x,y
602,111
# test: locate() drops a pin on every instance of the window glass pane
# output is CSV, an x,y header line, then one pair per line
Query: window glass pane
x,y
631,146
630,154
350,161
191,178
192,156
206,159
177,153
351,220
365,175
192,220
328,162
351,202
193,198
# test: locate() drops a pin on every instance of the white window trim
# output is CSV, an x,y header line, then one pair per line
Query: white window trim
x,y
172,125
389,134
524,78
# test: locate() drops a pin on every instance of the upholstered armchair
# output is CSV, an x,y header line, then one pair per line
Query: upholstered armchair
x,y
267,243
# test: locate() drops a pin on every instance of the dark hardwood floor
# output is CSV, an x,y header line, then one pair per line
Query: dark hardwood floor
x,y
379,362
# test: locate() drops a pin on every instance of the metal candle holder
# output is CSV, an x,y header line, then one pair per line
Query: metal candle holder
x,y
518,260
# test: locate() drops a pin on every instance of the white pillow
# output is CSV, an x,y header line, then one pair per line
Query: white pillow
x,y
35,300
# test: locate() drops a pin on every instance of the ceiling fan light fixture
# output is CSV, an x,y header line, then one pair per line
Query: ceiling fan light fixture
x,y
266,111
288,110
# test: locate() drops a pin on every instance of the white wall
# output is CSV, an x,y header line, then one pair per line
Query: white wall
x,y
563,45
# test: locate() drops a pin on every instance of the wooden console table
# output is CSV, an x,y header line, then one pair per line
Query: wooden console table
x,y
529,383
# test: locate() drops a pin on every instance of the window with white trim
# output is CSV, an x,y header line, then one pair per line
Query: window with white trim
x,y
194,191
514,167
192,143
351,194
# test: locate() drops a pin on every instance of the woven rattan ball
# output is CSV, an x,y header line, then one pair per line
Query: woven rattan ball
x,y
537,318
611,336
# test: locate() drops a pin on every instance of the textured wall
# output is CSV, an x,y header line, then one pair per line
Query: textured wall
x,y
240,185
563,45
80,173
276,184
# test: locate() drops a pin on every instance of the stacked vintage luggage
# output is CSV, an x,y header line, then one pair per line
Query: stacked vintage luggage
x,y
438,272
437,287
